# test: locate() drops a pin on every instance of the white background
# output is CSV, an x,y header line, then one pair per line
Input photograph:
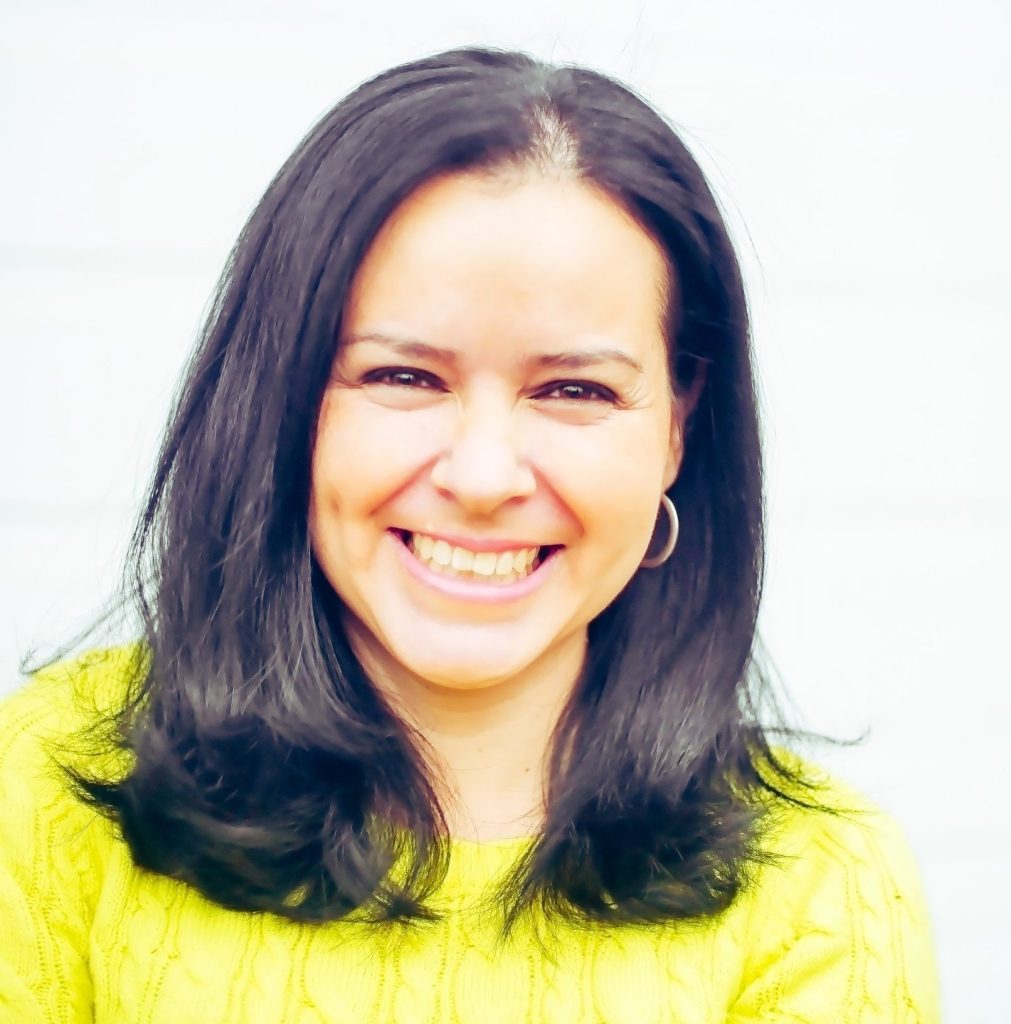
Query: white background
x,y
863,154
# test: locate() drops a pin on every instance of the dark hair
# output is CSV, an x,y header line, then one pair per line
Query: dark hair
x,y
266,770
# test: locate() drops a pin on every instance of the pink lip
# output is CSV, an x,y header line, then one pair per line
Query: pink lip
x,y
469,590
481,543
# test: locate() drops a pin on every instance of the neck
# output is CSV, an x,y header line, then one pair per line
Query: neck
x,y
488,744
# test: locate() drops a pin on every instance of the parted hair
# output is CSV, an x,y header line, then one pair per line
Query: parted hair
x,y
265,769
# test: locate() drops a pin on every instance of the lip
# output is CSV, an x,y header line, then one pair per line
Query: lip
x,y
469,590
477,543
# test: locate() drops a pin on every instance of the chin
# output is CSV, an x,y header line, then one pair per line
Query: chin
x,y
465,675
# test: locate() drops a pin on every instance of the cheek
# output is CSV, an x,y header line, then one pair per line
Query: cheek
x,y
611,479
364,455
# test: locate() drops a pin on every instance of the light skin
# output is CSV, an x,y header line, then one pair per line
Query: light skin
x,y
502,378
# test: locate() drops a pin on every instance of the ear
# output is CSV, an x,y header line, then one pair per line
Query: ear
x,y
675,450
682,409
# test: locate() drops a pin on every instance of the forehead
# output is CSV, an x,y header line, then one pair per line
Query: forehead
x,y
543,259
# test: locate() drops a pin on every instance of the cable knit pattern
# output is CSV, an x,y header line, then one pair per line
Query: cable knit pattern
x,y
836,933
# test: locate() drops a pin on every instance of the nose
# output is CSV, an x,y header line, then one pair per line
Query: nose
x,y
483,466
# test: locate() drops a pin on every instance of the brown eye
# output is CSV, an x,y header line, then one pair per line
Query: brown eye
x,y
400,377
578,391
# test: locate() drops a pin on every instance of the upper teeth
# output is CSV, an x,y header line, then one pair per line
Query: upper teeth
x,y
446,557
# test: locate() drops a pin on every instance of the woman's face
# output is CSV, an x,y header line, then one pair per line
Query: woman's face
x,y
498,429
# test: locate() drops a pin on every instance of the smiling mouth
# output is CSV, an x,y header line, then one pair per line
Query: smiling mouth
x,y
495,567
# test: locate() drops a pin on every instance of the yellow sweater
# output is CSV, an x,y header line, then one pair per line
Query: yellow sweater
x,y
838,933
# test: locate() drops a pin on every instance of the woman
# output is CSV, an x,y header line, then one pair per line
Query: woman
x,y
445,707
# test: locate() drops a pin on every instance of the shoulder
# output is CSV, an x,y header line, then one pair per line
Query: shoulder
x,y
838,912
846,855
843,824
70,695
54,848
59,717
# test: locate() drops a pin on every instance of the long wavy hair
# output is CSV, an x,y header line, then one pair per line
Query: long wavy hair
x,y
265,769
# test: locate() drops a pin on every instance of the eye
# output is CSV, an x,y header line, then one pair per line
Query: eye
x,y
577,391
402,377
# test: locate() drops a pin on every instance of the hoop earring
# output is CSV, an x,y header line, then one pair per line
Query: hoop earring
x,y
672,536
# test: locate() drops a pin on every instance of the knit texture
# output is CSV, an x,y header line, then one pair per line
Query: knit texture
x,y
835,933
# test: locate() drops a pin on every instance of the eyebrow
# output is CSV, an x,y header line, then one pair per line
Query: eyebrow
x,y
577,359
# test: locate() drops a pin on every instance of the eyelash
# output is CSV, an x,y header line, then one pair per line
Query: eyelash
x,y
384,377
597,392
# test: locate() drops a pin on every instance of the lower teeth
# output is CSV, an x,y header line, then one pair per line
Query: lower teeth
x,y
467,574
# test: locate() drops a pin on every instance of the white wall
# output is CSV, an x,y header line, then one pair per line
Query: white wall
x,y
863,152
